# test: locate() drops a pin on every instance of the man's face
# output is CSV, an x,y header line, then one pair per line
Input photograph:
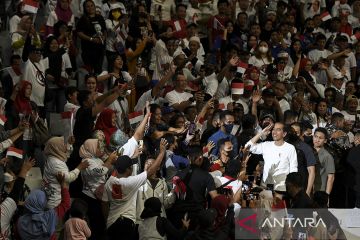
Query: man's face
x,y
181,82
279,90
278,132
181,13
73,98
319,139
35,56
229,119
297,130
352,105
16,65
227,149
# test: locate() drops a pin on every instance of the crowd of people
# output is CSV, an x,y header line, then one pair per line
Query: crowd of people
x,y
179,116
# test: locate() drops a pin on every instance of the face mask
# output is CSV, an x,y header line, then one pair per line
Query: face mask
x,y
228,128
263,49
309,29
116,14
308,139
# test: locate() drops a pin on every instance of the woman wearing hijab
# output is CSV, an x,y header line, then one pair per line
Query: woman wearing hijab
x,y
94,178
63,13
38,222
59,71
56,152
106,122
156,227
25,29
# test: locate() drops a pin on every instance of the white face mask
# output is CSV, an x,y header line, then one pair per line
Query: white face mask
x,y
263,49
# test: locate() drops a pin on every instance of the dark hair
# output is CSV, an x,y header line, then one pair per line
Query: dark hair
x,y
111,61
177,73
57,27
241,13
320,36
225,113
248,121
13,58
187,109
295,179
180,5
194,152
233,168
153,108
170,138
223,1
34,107
78,208
289,114
331,89
70,91
173,119
323,131
222,142
83,96
90,75
84,4
337,116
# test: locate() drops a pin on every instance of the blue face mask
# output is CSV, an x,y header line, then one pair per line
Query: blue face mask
x,y
228,128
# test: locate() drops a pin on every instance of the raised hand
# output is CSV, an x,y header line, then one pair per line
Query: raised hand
x,y
163,145
256,96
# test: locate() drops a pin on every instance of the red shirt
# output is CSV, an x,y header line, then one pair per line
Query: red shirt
x,y
179,28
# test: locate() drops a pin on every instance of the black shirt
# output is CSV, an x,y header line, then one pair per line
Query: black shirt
x,y
84,125
88,26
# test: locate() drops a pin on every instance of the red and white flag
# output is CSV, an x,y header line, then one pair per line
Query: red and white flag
x,y
217,24
241,68
237,88
3,120
325,16
135,117
31,6
355,37
14,152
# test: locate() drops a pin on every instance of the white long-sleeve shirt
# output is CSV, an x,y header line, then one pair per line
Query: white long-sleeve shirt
x,y
279,161
53,189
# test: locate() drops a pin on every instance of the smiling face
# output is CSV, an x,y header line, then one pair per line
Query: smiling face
x,y
278,132
90,8
54,45
118,63
91,84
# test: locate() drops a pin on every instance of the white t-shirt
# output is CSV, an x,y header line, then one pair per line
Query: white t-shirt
x,y
175,97
309,11
13,23
121,193
211,84
129,150
279,162
259,63
53,19
146,96
93,176
228,99
223,88
316,54
166,7
53,189
32,75
284,105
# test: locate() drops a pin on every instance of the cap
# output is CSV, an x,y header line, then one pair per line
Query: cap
x,y
178,52
266,115
351,97
283,54
268,92
152,207
195,39
124,162
118,5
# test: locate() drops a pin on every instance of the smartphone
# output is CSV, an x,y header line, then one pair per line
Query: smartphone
x,y
192,128
141,144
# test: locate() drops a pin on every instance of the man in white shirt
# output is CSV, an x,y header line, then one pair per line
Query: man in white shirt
x,y
320,52
279,156
34,72
122,192
178,98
